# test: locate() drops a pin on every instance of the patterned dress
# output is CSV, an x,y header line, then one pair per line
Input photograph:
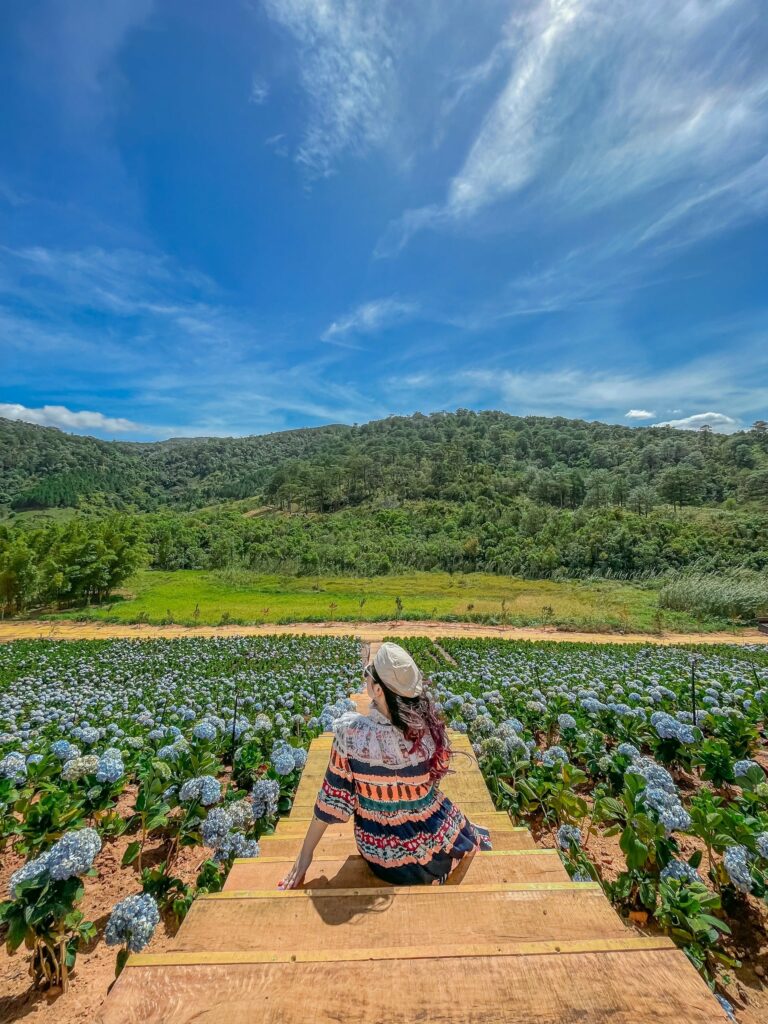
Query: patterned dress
x,y
405,827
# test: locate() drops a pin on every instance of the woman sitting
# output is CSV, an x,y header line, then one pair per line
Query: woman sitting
x,y
385,768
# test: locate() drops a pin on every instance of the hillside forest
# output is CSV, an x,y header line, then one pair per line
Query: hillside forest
x,y
458,492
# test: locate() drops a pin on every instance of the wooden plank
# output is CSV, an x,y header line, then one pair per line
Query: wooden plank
x,y
332,919
403,891
354,872
630,987
340,842
311,956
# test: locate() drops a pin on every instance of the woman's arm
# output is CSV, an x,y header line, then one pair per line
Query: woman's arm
x,y
295,876
334,805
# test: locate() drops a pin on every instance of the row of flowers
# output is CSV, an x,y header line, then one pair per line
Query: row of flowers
x,y
174,744
657,746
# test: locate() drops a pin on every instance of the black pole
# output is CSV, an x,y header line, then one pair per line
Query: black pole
x,y
234,726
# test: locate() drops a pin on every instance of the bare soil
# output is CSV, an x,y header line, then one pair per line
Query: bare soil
x,y
68,630
95,967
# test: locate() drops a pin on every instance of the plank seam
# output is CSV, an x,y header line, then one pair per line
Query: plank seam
x,y
395,890
548,947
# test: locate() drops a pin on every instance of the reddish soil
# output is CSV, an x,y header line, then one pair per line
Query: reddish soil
x,y
95,968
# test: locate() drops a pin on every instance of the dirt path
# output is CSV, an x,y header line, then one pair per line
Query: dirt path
x,y
64,630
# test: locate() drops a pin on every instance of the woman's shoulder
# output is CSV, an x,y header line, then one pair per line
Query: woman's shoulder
x,y
368,737
357,722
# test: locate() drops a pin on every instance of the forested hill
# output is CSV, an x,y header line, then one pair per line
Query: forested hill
x,y
454,457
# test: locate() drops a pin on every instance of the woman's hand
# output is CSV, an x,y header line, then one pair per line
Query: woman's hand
x,y
295,876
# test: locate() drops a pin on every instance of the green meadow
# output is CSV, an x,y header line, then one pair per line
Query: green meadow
x,y
208,597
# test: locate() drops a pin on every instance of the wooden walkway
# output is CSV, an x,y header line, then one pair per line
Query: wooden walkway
x,y
509,939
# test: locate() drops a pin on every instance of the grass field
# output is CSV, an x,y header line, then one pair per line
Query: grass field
x,y
199,597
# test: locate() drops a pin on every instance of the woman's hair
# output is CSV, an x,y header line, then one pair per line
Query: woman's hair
x,y
415,717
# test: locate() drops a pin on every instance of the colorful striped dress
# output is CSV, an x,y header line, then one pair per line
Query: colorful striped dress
x,y
405,827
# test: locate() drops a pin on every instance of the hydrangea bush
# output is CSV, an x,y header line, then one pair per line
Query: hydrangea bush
x,y
41,911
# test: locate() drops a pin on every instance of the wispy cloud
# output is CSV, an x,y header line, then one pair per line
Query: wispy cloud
x,y
718,421
347,69
259,91
609,100
368,318
67,419
639,414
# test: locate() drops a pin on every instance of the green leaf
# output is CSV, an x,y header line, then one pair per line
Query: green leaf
x,y
635,851
131,853
122,960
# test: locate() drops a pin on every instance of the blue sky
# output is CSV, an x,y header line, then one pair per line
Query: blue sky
x,y
251,216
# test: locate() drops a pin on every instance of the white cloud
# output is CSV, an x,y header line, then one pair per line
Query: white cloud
x,y
347,70
717,420
259,91
639,414
369,317
67,419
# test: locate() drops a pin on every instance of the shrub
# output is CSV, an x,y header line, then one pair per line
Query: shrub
x,y
740,596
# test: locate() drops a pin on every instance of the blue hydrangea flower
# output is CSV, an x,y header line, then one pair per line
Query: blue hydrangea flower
x,y
566,722
628,750
741,768
64,750
592,706
680,871
204,730
204,788
299,757
241,812
736,863
33,869
235,844
72,855
216,825
14,767
568,836
554,755
110,767
762,845
668,728
266,793
283,762
132,922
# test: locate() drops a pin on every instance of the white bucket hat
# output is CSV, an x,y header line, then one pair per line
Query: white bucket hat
x,y
397,670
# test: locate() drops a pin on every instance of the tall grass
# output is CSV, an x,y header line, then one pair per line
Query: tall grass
x,y
741,596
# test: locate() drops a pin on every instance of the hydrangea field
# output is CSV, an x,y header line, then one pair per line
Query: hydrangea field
x,y
643,765
156,744
655,754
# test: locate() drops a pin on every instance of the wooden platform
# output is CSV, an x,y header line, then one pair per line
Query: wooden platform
x,y
509,939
